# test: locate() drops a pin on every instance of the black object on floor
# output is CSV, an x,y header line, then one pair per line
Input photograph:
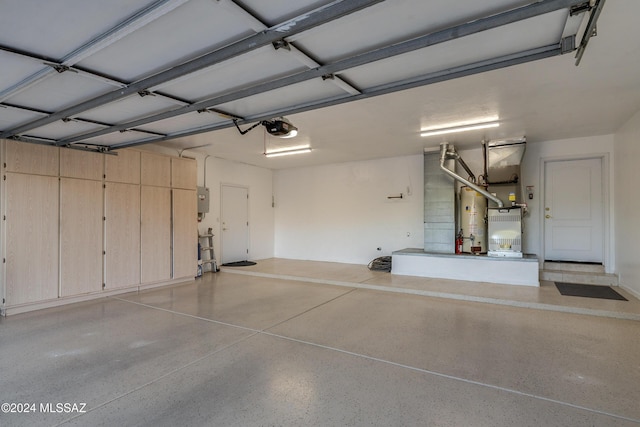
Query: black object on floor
x,y
589,291
382,263
239,264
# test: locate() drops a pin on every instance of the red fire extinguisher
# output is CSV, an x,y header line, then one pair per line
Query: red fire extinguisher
x,y
459,241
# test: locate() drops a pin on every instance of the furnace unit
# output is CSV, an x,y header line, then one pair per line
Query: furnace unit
x,y
505,232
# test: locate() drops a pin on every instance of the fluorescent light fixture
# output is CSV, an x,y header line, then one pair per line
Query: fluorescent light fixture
x,y
443,131
289,150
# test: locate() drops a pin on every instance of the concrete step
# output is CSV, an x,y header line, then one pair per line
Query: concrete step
x,y
587,278
573,266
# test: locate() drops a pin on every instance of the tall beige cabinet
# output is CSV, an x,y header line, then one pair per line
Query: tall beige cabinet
x,y
185,208
156,218
122,220
30,223
78,224
81,211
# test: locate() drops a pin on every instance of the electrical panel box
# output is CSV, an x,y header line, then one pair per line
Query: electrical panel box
x,y
203,200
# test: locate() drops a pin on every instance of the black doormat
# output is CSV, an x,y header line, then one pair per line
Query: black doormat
x,y
239,264
589,291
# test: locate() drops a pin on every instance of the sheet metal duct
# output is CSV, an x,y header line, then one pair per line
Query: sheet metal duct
x,y
448,151
503,160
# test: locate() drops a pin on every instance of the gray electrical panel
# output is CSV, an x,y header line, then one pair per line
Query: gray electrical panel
x,y
203,200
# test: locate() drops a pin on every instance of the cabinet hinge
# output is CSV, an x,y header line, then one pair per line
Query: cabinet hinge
x,y
5,165
104,218
4,260
104,285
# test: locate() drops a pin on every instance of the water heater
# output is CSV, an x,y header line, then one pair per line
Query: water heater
x,y
473,213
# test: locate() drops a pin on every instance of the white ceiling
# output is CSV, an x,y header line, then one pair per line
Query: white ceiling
x,y
134,45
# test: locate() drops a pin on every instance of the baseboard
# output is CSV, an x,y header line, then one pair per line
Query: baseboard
x,y
57,302
631,291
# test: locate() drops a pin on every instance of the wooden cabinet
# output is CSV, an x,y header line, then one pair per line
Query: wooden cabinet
x,y
124,167
81,164
32,158
185,233
155,232
122,235
184,173
80,236
31,238
79,222
155,169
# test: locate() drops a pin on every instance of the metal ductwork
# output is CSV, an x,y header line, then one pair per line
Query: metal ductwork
x,y
503,159
449,152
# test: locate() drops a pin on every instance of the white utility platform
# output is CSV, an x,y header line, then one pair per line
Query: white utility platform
x,y
478,268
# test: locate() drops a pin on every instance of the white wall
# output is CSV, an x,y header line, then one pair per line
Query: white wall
x,y
261,214
533,174
627,158
341,213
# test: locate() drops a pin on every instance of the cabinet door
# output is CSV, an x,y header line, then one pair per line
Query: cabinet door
x,y
155,234
80,236
185,233
32,238
32,158
81,164
122,235
155,169
125,167
183,173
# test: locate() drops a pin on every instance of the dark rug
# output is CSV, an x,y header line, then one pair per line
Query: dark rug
x,y
239,264
589,291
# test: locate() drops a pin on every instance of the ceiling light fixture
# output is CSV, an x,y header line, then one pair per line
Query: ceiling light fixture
x,y
464,128
280,127
288,151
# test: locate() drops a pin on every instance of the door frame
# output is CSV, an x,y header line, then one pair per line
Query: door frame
x,y
607,261
226,184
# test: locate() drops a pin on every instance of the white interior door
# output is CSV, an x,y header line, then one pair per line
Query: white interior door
x,y
574,211
235,223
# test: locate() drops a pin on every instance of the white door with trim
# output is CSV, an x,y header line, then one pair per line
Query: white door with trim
x,y
574,211
235,223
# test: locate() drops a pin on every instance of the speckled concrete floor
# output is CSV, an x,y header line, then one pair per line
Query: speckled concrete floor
x,y
239,350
